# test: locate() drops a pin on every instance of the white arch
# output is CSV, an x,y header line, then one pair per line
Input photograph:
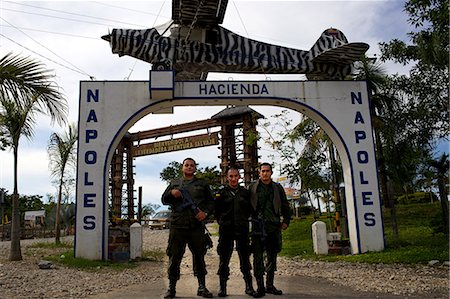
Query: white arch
x,y
109,109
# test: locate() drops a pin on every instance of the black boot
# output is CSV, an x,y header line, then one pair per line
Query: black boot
x,y
171,291
249,285
260,291
202,290
223,287
270,288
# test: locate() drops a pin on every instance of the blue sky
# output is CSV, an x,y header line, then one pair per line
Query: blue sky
x,y
65,36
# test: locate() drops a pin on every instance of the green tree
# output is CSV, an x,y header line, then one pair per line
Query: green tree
x,y
211,175
425,90
171,172
430,43
26,203
423,119
26,90
62,153
382,105
316,166
174,171
441,167
149,209
67,215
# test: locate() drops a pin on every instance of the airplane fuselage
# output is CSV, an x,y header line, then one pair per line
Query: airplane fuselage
x,y
220,50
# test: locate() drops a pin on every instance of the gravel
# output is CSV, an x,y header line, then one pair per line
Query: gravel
x,y
24,279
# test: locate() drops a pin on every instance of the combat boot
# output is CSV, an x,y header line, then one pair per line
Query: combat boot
x,y
223,287
260,291
202,290
249,285
171,291
270,288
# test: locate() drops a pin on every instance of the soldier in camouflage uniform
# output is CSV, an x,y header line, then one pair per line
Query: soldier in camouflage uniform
x,y
270,204
186,225
233,210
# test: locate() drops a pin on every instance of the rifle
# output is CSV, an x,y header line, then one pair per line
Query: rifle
x,y
259,227
188,203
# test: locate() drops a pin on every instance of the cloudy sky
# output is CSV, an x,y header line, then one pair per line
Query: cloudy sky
x,y
65,36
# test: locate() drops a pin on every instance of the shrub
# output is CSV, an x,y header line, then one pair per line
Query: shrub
x,y
417,197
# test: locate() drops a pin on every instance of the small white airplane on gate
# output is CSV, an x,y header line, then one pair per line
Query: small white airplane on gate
x,y
194,43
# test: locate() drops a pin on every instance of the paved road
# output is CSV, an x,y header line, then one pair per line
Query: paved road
x,y
292,286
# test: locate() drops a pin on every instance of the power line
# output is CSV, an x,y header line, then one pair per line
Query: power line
x,y
83,72
51,32
246,32
62,18
135,62
130,9
70,13
77,71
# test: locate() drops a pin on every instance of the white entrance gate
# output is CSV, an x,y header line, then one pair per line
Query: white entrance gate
x,y
109,108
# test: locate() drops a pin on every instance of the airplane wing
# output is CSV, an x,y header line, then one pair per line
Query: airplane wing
x,y
200,13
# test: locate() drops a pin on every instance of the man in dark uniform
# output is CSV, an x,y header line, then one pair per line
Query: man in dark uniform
x,y
233,210
270,204
191,201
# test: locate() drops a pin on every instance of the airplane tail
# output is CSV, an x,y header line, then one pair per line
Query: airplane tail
x,y
333,47
329,39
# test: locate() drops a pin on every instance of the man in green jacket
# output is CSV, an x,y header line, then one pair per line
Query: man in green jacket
x,y
191,202
272,214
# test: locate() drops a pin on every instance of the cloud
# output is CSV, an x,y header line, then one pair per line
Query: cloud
x,y
78,46
34,178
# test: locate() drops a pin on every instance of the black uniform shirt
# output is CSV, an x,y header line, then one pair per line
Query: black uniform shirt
x,y
233,209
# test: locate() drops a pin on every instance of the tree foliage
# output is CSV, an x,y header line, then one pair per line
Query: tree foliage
x,y
307,154
171,172
149,209
62,153
441,166
26,89
424,91
407,135
26,203
429,41
174,171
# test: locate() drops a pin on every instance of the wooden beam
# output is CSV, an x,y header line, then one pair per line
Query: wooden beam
x,y
186,127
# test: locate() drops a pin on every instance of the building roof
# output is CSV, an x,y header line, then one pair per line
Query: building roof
x,y
231,112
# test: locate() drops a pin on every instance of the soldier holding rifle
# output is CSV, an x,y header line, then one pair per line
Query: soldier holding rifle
x,y
272,214
191,201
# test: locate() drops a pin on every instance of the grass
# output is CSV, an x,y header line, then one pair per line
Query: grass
x,y
419,239
51,245
68,259
61,255
153,255
419,242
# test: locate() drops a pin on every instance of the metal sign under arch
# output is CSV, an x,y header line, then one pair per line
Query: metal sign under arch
x,y
107,109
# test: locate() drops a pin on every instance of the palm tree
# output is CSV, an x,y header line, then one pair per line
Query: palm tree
x,y
149,209
25,91
21,77
61,150
441,167
317,143
375,75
